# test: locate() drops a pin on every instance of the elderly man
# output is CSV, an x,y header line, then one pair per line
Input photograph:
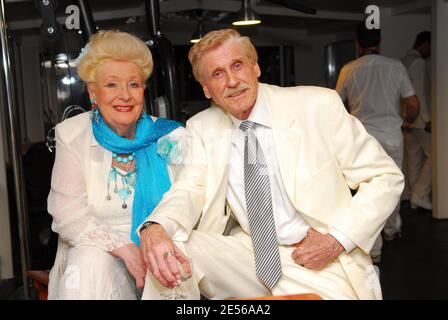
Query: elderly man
x,y
280,162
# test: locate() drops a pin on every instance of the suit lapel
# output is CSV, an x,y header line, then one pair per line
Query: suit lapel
x,y
221,154
287,143
217,140
287,137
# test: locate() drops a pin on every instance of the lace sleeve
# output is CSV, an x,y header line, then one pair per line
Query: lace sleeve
x,y
104,238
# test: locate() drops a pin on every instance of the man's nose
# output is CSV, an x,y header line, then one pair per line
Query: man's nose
x,y
232,81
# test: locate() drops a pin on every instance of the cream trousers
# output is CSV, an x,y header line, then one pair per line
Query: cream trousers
x,y
224,268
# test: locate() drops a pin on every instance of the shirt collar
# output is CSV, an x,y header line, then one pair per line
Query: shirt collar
x,y
259,114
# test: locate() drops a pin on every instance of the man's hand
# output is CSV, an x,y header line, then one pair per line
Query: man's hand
x,y
412,108
316,250
160,255
132,258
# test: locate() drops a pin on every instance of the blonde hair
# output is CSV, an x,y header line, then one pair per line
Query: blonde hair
x,y
114,45
213,40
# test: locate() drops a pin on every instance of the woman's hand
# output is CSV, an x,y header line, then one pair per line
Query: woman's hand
x,y
160,255
132,258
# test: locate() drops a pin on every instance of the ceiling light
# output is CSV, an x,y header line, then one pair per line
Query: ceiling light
x,y
198,34
246,16
68,80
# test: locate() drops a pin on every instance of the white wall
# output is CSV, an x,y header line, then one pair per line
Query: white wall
x,y
440,109
398,32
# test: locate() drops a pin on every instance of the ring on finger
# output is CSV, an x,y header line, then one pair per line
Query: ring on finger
x,y
168,254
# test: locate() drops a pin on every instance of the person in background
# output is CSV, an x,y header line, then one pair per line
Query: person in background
x,y
371,87
417,134
263,205
112,167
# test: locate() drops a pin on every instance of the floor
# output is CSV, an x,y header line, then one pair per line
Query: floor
x,y
414,266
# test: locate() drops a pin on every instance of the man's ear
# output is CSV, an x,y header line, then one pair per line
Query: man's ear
x,y
257,70
206,92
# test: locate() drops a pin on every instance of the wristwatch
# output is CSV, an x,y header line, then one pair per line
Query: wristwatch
x,y
146,225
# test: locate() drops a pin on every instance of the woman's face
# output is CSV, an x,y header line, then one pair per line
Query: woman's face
x,y
119,94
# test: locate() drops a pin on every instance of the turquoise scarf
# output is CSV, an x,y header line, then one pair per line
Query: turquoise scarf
x,y
152,173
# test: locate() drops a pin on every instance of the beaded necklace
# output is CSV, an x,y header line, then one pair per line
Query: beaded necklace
x,y
123,183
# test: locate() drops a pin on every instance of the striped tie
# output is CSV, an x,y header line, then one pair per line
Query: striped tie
x,y
259,209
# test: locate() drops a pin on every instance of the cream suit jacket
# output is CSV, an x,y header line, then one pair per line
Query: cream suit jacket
x,y
323,152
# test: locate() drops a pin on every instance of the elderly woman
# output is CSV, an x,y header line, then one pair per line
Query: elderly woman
x,y
113,165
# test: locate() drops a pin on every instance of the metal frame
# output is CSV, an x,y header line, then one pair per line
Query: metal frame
x,y
16,156
164,48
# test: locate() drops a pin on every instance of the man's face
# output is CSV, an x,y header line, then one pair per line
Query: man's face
x,y
230,79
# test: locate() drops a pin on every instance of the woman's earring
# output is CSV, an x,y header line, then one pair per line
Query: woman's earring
x,y
95,110
93,104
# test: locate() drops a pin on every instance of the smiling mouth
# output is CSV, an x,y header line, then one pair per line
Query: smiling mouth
x,y
237,93
123,108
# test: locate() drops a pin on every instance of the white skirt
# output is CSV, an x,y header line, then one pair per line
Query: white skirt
x,y
89,273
